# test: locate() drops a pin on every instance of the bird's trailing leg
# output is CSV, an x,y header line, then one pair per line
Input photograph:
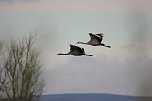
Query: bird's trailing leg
x,y
108,46
105,45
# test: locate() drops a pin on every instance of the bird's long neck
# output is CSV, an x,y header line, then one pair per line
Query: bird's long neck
x,y
63,54
81,42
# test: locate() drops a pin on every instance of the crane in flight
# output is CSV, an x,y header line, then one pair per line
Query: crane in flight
x,y
95,40
76,51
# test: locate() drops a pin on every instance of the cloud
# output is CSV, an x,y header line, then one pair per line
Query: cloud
x,y
15,1
74,5
105,72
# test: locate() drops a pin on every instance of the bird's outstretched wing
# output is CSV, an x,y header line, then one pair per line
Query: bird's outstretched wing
x,y
76,49
100,35
94,38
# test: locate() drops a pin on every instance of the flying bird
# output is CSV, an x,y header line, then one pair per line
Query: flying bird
x,y
95,40
76,51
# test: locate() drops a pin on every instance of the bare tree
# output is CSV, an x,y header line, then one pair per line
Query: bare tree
x,y
22,69
1,70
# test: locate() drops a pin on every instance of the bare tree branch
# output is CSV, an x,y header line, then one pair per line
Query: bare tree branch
x,y
22,69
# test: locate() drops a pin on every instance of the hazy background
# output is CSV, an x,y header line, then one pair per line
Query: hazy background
x,y
126,68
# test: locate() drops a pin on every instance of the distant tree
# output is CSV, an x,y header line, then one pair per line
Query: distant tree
x,y
1,70
22,71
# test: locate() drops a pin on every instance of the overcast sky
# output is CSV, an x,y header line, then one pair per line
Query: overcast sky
x,y
126,68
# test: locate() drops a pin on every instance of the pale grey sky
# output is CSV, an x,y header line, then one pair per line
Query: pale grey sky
x,y
123,69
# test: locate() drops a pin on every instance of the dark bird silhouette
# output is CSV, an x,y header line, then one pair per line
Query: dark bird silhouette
x,y
95,40
76,51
